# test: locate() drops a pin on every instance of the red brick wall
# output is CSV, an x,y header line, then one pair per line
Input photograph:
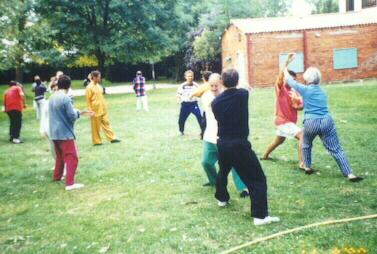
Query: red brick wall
x,y
321,44
266,48
234,43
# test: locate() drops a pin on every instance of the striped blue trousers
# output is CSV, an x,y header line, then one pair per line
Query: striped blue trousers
x,y
325,129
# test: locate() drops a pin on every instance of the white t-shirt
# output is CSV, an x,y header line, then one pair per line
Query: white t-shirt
x,y
185,92
210,133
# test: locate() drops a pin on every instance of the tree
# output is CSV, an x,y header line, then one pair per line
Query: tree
x,y
206,45
126,31
324,6
24,36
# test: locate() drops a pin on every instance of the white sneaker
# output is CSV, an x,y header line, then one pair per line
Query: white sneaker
x,y
222,204
267,220
16,141
74,186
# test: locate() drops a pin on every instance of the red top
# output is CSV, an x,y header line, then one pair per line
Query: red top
x,y
14,99
285,112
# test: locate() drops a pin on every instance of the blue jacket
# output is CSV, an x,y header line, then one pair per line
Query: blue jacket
x,y
62,117
315,99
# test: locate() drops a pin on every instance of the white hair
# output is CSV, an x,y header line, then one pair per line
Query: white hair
x,y
312,75
214,78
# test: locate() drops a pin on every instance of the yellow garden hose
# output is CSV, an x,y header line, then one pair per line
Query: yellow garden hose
x,y
294,230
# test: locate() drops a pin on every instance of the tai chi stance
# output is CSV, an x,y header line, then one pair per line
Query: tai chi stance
x,y
210,153
288,102
189,105
232,115
39,90
318,122
96,103
62,117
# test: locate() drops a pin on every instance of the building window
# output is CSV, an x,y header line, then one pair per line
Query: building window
x,y
350,5
297,65
345,58
369,3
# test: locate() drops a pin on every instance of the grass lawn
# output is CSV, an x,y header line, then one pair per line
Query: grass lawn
x,y
145,195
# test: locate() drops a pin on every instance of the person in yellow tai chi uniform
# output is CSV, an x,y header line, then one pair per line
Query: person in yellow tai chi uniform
x,y
96,103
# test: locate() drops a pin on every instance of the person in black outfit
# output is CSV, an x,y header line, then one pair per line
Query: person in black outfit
x,y
231,112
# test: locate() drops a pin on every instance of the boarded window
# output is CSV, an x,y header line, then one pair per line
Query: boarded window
x,y
369,3
350,5
345,58
297,65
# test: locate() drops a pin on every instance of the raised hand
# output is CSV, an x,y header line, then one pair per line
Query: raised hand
x,y
291,57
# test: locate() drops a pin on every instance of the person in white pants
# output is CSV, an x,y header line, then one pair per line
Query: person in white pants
x,y
39,90
140,91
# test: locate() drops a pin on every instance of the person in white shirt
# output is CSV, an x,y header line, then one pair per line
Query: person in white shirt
x,y
189,104
210,153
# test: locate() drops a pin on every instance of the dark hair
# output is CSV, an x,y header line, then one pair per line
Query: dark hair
x,y
12,83
292,73
230,78
95,74
206,75
64,82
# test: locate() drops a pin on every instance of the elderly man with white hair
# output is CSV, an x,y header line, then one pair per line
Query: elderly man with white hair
x,y
318,122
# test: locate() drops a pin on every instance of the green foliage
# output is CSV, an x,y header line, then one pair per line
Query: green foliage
x,y
325,6
217,17
114,30
25,37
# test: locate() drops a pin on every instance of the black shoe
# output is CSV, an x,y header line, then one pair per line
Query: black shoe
x,y
356,179
100,144
308,171
244,194
208,184
115,141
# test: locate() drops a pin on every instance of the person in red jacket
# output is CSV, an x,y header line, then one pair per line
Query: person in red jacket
x,y
288,103
14,103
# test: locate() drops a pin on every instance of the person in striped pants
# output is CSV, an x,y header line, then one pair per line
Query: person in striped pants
x,y
318,122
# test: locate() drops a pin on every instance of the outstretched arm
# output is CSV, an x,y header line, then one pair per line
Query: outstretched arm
x,y
300,88
280,79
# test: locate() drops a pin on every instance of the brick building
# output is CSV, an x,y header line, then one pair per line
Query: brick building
x,y
342,45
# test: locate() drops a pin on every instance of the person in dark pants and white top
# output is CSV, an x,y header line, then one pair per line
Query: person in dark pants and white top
x,y
39,90
232,115
189,105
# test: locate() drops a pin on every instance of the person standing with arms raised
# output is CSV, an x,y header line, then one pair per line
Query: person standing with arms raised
x,y
96,103
232,115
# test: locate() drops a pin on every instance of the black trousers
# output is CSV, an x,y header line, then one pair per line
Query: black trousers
x,y
15,119
237,154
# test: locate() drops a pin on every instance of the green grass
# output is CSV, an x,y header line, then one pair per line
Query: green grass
x,y
145,194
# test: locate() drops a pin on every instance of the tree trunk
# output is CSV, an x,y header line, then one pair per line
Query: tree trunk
x,y
101,61
19,73
21,44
